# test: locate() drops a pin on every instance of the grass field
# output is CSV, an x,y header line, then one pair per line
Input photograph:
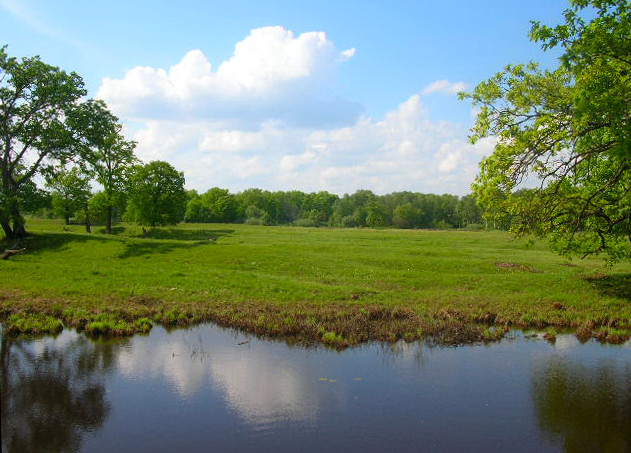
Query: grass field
x,y
339,286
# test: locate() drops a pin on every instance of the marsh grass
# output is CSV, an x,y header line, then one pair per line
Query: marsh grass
x,y
32,324
304,283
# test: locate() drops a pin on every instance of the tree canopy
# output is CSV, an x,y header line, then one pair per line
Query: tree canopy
x,y
71,192
104,150
35,99
156,194
44,124
562,163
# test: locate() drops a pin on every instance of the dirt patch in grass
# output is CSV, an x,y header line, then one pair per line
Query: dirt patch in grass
x,y
516,267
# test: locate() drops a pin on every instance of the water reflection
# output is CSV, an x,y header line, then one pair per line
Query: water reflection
x,y
52,392
174,357
210,388
586,407
261,381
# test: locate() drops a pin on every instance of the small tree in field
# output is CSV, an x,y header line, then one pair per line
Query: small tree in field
x,y
156,194
106,154
71,192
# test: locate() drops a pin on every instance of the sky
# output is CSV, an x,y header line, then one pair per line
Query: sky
x,y
285,95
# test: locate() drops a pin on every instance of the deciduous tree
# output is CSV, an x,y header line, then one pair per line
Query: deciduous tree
x,y
35,99
104,149
156,194
567,132
71,192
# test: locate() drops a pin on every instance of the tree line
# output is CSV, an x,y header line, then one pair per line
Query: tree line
x,y
360,209
72,201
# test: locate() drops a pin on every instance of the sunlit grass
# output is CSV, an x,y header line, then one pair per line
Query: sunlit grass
x,y
237,273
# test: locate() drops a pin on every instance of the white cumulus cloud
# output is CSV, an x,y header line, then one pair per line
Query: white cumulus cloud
x,y
272,75
266,117
445,87
406,150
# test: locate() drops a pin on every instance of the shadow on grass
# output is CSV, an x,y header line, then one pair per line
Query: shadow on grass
x,y
116,230
35,243
176,234
170,239
618,286
143,248
174,238
187,235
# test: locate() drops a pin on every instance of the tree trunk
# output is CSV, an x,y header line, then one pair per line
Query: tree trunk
x,y
8,231
18,221
88,222
108,227
19,231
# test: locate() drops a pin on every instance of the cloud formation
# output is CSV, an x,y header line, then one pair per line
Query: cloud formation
x,y
271,75
445,87
405,150
265,118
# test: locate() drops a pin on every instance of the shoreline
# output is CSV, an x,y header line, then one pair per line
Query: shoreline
x,y
338,326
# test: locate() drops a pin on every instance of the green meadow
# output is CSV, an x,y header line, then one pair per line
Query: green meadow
x,y
338,286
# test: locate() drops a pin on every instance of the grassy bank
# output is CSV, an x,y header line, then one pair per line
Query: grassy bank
x,y
339,286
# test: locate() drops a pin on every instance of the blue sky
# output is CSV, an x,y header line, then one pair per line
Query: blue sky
x,y
286,95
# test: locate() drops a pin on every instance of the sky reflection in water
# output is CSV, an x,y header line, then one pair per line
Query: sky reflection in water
x,y
200,390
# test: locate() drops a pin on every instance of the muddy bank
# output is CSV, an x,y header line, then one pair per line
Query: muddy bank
x,y
335,325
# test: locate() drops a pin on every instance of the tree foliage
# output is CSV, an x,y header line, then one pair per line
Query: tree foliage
x,y
71,192
565,135
35,100
360,209
104,150
406,216
156,194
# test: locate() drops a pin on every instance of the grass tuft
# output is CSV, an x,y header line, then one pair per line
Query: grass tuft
x,y
32,324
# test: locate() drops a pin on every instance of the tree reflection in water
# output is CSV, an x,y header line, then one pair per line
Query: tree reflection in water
x,y
588,409
52,392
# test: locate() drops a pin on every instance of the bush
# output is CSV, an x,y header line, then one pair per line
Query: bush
x,y
349,221
308,222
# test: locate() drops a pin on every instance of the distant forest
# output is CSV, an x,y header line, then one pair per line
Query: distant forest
x,y
361,209
261,207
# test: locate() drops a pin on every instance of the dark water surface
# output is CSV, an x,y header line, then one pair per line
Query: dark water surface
x,y
199,390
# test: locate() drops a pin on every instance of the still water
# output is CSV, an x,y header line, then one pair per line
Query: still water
x,y
212,389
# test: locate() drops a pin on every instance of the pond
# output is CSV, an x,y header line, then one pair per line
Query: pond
x,y
213,389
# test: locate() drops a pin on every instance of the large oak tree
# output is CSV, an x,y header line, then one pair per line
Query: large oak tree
x,y
562,164
35,99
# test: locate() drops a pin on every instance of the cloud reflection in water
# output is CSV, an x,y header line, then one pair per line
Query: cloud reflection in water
x,y
256,380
